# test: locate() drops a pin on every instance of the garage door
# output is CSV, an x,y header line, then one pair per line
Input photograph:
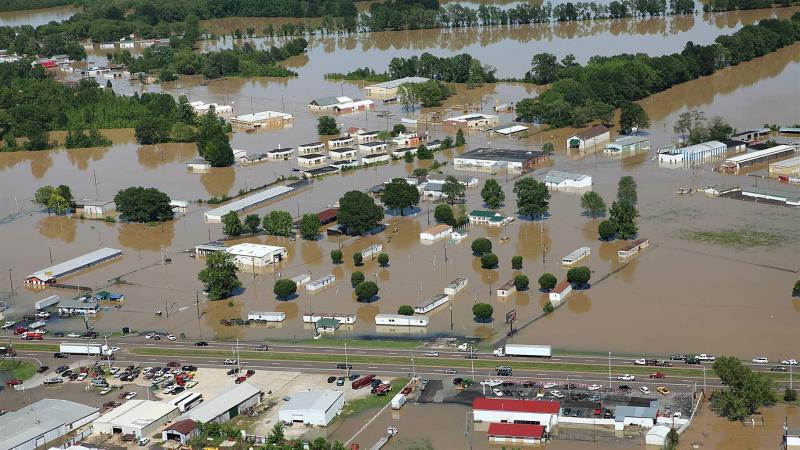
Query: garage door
x,y
298,418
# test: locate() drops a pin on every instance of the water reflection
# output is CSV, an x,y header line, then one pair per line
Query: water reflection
x,y
58,227
218,181
153,156
579,302
36,17
144,237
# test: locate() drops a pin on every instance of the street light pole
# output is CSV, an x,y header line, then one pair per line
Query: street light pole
x,y
704,381
609,370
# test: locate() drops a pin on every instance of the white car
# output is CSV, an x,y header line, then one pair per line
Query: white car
x,y
82,376
73,335
492,382
640,362
595,387
550,385
113,349
557,394
704,357
171,337
130,395
105,391
113,370
150,336
626,377
789,362
229,362
8,325
144,441
645,390
450,371
191,384
432,354
497,392
760,360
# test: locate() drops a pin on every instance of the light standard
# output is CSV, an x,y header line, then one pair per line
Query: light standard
x,y
609,370
704,381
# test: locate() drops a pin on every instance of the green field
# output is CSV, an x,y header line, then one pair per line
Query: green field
x,y
736,238
17,369
372,400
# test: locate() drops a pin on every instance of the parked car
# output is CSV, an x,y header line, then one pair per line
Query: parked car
x,y
250,373
678,357
60,355
353,377
645,390
624,387
657,375
229,362
171,337
105,391
556,394
42,369
173,364
53,381
760,360
691,360
471,356
340,381
344,366
789,362
626,377
73,335
201,344
705,358
607,414
662,390
150,336
595,387
331,379
130,395
13,382
143,441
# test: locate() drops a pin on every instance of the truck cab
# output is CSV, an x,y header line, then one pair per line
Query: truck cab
x,y
499,352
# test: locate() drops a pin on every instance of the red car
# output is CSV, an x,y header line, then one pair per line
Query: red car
x,y
658,375
20,330
13,382
241,380
250,373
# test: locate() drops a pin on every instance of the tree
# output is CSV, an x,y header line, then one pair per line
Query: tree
x,y
219,153
746,390
277,223
219,276
276,436
42,195
632,116
593,204
482,311
383,260
424,153
326,125
251,223
460,141
65,192
443,213
606,230
231,225
366,290
408,157
138,204
489,260
309,226
533,197
453,189
547,282
492,194
481,245
151,130
579,275
398,194
672,439
521,282
336,256
796,289
398,128
623,216
789,395
405,310
516,262
356,278
57,204
548,307
407,96
548,148
284,288
626,190
718,129
358,213
358,259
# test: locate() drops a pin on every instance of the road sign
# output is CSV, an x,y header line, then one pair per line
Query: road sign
x,y
511,316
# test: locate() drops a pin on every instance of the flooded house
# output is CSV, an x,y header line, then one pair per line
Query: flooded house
x,y
353,106
557,180
95,208
632,249
200,108
475,121
311,159
247,254
375,158
198,164
311,148
589,137
254,158
507,289
281,153
786,168
753,135
431,304
491,218
320,283
491,159
388,89
628,144
692,154
399,320
372,148
435,233
262,119
266,316
576,256
408,140
343,153
327,103
509,129
363,136
341,142
456,286
560,292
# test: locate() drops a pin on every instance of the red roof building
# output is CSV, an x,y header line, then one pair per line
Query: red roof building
x,y
516,433
514,412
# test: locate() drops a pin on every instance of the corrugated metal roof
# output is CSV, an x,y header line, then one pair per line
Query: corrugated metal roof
x,y
312,400
244,203
57,270
211,409
399,82
32,421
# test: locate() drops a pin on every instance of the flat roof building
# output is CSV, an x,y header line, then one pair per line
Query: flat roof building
x,y
226,405
474,121
327,103
317,408
247,254
491,218
515,433
311,148
788,167
261,119
628,144
43,422
388,89
556,179
509,129
431,304
785,197
497,410
311,159
140,418
692,154
491,158
436,232
737,163
240,205
53,273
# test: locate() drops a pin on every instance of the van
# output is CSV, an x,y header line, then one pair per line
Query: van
x,y
99,382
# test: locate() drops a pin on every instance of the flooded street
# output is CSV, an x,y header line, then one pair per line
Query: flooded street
x,y
679,292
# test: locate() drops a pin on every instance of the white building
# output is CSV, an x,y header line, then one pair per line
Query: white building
x,y
353,106
575,256
45,421
456,286
491,218
311,148
281,153
198,164
251,201
247,254
793,438
467,181
506,410
343,318
262,119
140,418
181,431
327,103
691,154
475,121
431,304
226,405
266,316
436,232
589,137
312,407
320,283
401,152
341,142
398,320
343,153
657,436
371,148
628,144
96,208
311,159
408,140
491,159
388,89
363,136
82,306
507,289
301,279
201,108
556,179
509,129
375,158
53,273
560,292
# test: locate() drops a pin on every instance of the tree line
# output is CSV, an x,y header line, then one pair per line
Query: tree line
x,y
583,93
19,5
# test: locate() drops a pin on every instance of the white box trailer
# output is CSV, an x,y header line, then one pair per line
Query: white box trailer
x,y
266,316
541,351
398,401
46,302
79,348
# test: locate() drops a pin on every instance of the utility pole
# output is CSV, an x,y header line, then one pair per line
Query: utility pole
x,y
11,279
451,317
609,370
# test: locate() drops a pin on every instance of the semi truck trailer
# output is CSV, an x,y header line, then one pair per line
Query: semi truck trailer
x,y
540,351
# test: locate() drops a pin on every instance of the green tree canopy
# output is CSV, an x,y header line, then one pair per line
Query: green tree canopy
x,y
489,261
326,126
283,288
383,260
482,310
460,141
219,153
533,197
579,275
521,282
251,223
796,289
219,276
606,230
424,153
405,310
138,204
356,278
481,246
593,204
623,217
548,307
277,223
632,116
746,390
309,226
366,291
516,262
453,189
358,258
492,194
399,195
336,256
626,190
358,213
231,225
443,213
547,281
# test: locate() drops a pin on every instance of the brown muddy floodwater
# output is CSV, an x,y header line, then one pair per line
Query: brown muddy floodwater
x,y
684,296
36,17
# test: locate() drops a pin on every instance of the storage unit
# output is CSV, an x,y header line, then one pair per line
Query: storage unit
x,y
47,302
503,410
396,319
556,179
53,273
45,421
140,418
375,158
436,232
95,208
251,201
560,292
431,304
320,283
266,316
515,433
491,218
657,436
311,148
509,129
83,348
301,279
575,256
388,89
262,119
200,108
632,249
249,255
312,407
311,159
456,286
788,167
227,405
507,289
628,144
589,137
692,154
489,159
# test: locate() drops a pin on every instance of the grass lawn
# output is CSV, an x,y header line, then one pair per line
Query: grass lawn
x,y
358,343
736,238
35,347
18,369
372,400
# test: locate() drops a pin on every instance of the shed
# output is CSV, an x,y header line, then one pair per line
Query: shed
x,y
327,325
560,292
657,436
589,137
436,232
312,407
181,431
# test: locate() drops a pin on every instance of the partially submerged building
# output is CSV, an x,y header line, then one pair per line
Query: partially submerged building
x,y
388,89
258,255
750,159
262,119
506,410
490,159
556,179
589,137
53,273
250,201
628,144
692,154
474,121
491,218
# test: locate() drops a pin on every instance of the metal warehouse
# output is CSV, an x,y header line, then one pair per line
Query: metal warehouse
x,y
238,206
42,422
53,273
140,418
312,407
226,405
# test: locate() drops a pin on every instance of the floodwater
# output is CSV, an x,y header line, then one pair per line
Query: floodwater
x,y
36,17
680,293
